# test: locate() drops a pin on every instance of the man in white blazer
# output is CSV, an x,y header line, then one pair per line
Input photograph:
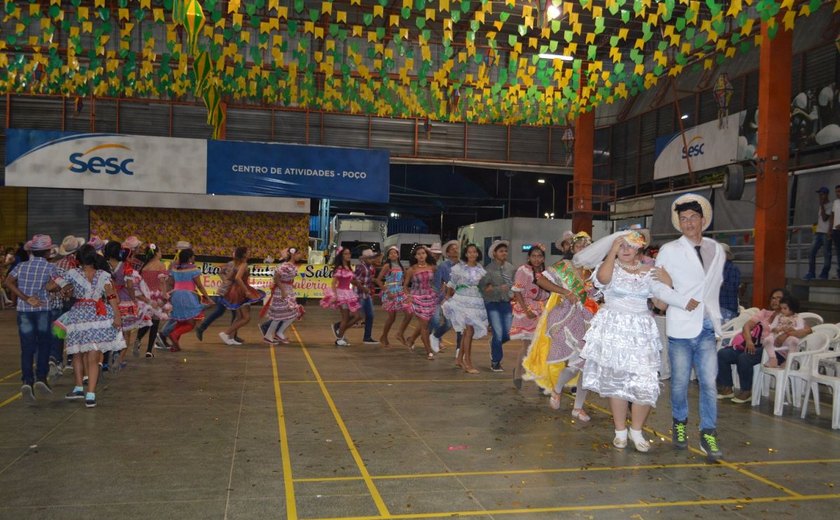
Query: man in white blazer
x,y
692,321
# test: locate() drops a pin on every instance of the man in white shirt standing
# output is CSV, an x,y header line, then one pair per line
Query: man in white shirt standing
x,y
835,229
692,321
822,237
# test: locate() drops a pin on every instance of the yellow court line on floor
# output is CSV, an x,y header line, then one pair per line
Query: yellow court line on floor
x,y
599,507
400,381
10,400
288,481
13,374
582,469
721,462
374,492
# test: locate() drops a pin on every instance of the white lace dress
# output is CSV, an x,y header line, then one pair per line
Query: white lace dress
x,y
622,343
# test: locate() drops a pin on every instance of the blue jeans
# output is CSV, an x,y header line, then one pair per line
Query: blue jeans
x,y
500,316
821,240
439,326
699,353
729,356
35,344
209,319
367,308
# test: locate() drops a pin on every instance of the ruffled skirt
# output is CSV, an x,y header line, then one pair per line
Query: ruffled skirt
x,y
185,306
341,298
622,356
283,308
423,305
466,311
523,327
395,301
237,297
85,331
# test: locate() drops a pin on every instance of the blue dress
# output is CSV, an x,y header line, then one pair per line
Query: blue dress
x,y
89,324
185,302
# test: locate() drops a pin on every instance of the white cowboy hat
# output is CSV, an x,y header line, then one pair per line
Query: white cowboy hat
x,y
70,245
132,242
705,205
495,245
436,248
182,244
368,253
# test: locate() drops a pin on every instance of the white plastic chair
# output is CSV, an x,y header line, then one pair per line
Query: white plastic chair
x,y
812,389
811,318
731,328
797,366
829,366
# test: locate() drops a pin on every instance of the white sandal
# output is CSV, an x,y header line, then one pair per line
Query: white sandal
x,y
581,415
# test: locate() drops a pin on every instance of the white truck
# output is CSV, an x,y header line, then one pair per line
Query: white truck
x,y
405,241
357,232
522,232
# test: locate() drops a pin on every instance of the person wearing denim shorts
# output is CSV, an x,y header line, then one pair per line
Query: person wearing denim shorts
x,y
692,322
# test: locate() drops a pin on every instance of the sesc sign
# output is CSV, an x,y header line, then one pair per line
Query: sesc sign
x,y
704,146
86,162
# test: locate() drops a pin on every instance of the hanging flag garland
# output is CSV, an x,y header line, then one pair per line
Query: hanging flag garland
x,y
455,60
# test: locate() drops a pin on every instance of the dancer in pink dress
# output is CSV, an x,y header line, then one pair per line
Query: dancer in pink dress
x,y
421,294
341,296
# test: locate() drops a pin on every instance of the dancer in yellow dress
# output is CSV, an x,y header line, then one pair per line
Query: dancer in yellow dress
x,y
553,358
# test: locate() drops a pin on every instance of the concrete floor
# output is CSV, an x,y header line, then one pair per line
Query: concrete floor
x,y
310,431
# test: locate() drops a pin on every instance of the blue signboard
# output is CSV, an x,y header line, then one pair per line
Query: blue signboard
x,y
267,169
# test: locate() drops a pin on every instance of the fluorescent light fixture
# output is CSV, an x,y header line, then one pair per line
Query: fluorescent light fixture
x,y
548,56
541,181
684,116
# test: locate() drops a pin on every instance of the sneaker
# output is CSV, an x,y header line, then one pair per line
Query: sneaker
x,y
496,367
74,394
271,341
149,355
55,371
90,400
85,380
370,341
227,340
238,340
709,445
742,397
434,342
160,343
199,333
26,392
726,393
43,387
809,276
335,328
341,342
679,436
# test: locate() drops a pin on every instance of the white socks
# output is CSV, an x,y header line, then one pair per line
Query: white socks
x,y
637,436
621,435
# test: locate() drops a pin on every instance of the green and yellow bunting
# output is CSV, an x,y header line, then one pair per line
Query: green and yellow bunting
x,y
483,61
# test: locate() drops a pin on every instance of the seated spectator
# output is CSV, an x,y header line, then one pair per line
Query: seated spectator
x,y
786,331
745,351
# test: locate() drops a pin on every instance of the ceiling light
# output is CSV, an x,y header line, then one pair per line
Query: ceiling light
x,y
563,57
541,181
684,116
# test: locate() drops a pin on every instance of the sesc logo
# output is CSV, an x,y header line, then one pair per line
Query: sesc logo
x,y
694,148
83,162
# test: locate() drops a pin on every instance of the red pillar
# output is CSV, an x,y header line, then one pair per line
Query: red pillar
x,y
771,206
582,181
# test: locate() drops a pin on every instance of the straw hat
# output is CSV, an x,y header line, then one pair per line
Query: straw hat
x,y
495,245
436,248
39,243
96,242
182,244
70,245
368,253
132,242
449,244
705,205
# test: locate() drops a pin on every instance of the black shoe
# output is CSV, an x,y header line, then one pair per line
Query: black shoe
x,y
709,445
199,333
496,367
75,394
335,328
679,437
43,387
90,401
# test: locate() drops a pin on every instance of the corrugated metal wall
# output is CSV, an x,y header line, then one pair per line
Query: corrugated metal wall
x,y
57,213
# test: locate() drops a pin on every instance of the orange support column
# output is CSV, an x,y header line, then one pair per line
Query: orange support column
x,y
771,206
582,181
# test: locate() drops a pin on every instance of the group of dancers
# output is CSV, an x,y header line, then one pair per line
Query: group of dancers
x,y
587,316
95,300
